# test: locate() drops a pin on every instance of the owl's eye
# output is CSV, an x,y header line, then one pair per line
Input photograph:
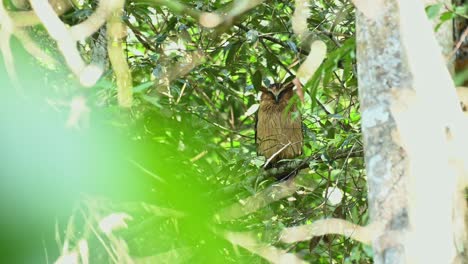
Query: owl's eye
x,y
271,93
281,94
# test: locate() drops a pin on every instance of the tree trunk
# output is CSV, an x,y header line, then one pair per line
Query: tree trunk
x,y
382,69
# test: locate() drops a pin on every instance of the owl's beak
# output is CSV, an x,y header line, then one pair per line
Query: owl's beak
x,y
277,97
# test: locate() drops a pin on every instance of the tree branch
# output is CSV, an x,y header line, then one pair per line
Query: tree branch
x,y
331,226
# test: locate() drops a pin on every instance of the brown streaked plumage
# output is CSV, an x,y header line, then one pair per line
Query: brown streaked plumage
x,y
278,134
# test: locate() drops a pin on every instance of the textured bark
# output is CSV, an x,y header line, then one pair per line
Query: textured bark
x,y
381,69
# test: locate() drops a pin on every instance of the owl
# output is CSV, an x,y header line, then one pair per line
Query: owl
x,y
278,130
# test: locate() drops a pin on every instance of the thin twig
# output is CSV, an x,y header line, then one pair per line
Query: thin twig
x,y
459,43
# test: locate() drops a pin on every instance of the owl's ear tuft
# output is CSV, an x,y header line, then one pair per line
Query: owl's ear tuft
x,y
289,85
263,89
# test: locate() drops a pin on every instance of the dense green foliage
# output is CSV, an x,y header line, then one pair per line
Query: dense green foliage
x,y
208,108
188,143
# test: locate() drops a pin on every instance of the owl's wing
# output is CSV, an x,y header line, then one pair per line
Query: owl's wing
x,y
255,130
289,85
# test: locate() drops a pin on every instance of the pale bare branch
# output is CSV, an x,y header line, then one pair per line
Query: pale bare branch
x,y
6,31
115,32
88,27
29,18
259,200
363,234
211,20
87,74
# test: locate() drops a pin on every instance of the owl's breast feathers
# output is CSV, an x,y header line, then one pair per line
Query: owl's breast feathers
x,y
278,133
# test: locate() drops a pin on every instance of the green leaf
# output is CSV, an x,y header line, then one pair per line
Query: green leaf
x,y
271,62
232,52
354,116
171,24
258,161
347,69
257,80
433,10
251,36
160,38
368,250
289,79
252,110
328,74
153,100
142,87
447,16
312,84
292,45
462,10
461,77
